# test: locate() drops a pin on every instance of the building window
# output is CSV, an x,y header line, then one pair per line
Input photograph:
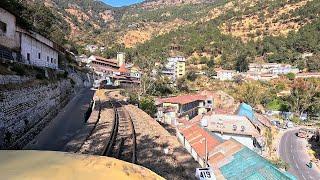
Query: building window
x,y
51,60
47,58
39,55
3,28
28,56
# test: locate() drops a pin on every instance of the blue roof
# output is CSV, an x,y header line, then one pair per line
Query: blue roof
x,y
247,164
246,110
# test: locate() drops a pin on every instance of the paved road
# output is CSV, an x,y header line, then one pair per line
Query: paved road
x,y
293,151
64,125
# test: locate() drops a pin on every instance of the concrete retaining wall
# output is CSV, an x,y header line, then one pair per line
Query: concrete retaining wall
x,y
24,112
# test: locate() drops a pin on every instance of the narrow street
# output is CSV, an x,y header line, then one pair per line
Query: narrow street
x,y
70,119
293,151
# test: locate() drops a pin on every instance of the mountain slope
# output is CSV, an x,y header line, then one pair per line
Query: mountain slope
x,y
232,34
228,31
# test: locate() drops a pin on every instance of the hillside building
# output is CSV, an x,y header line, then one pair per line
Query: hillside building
x,y
91,48
224,75
272,68
19,44
8,34
175,68
232,126
185,106
115,71
229,159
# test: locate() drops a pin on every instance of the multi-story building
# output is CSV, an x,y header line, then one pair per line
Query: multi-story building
x,y
25,45
103,66
272,68
185,106
175,68
115,70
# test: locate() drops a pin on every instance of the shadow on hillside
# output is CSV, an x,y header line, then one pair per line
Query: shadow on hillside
x,y
176,164
315,146
169,128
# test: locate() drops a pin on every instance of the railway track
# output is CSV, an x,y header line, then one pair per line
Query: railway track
x,y
122,141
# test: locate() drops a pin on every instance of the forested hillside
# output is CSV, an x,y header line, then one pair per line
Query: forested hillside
x,y
284,38
227,33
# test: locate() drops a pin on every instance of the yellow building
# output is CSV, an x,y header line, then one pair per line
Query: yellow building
x,y
180,68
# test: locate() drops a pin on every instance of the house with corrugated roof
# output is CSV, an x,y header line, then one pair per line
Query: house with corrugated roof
x,y
232,126
184,106
229,159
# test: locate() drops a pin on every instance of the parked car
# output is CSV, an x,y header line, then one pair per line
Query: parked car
x,y
290,124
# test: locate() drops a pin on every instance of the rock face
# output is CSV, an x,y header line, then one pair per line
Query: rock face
x,y
25,111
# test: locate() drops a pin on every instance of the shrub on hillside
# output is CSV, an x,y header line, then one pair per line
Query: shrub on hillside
x,y
147,104
19,69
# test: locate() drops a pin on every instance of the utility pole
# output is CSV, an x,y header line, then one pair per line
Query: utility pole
x,y
206,152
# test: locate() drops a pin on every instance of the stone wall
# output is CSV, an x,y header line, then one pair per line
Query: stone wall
x,y
24,112
14,79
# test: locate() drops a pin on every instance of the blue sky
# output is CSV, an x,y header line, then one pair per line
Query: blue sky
x,y
119,3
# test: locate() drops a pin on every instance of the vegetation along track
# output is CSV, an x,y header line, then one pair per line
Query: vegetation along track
x,y
122,141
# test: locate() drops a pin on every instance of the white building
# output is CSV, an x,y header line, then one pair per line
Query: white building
x,y
232,126
272,68
38,50
7,29
91,48
24,45
82,59
224,75
174,68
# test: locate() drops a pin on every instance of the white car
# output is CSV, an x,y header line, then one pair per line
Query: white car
x,y
290,124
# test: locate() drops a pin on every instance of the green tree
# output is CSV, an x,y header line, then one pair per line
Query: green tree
x,y
313,63
253,93
211,63
303,95
191,75
242,64
182,84
147,104
211,72
291,76
203,60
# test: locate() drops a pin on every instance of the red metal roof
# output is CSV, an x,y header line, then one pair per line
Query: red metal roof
x,y
183,99
195,135
114,61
